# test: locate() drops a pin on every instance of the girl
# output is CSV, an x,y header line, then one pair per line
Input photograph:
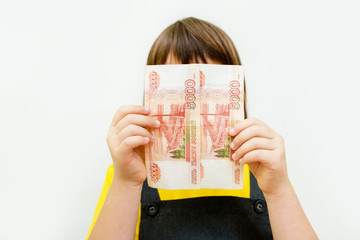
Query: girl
x,y
266,208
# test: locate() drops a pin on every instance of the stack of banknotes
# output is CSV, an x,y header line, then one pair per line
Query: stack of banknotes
x,y
196,105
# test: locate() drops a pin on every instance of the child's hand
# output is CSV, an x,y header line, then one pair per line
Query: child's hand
x,y
126,138
263,150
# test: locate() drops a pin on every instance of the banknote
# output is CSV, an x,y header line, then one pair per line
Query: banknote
x,y
196,105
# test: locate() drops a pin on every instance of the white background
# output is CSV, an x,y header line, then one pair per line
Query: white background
x,y
66,67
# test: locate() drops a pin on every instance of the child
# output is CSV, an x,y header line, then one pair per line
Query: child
x,y
266,208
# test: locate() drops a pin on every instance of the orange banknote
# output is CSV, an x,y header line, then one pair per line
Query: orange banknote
x,y
196,105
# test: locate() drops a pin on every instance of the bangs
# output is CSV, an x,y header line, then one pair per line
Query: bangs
x,y
185,47
191,40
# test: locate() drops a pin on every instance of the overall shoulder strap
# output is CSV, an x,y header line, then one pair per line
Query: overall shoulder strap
x,y
149,194
255,191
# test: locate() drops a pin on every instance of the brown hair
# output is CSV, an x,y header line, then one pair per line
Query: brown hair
x,y
191,40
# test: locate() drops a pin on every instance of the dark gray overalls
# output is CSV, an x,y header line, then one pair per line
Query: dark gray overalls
x,y
204,217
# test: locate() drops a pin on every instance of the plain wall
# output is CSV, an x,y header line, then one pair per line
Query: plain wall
x,y
67,66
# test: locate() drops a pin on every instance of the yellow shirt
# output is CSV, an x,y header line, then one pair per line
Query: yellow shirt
x,y
172,194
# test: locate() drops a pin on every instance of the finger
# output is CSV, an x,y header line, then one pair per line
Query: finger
x,y
133,130
251,132
132,142
258,155
243,125
251,145
127,109
136,119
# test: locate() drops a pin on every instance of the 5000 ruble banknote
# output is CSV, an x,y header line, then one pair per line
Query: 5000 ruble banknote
x,y
195,104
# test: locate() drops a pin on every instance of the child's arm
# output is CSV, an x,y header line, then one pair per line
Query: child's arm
x,y
263,149
126,139
287,218
118,216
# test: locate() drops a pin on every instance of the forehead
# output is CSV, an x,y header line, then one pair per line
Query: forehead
x,y
171,59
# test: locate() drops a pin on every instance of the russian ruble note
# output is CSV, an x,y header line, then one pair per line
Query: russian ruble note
x,y
195,104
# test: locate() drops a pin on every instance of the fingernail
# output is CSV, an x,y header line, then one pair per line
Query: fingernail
x,y
146,109
157,123
146,139
152,138
241,160
234,156
232,146
232,131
